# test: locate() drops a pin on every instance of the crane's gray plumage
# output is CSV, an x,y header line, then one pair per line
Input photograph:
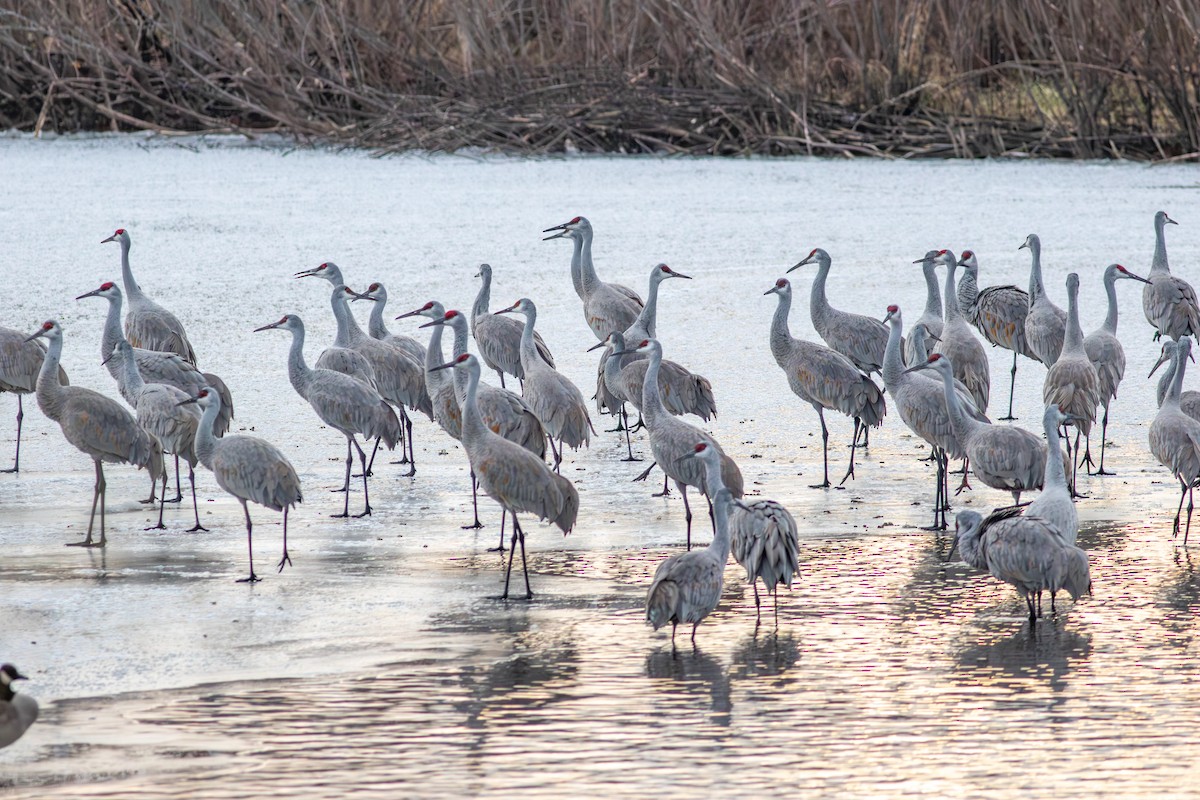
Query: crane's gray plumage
x,y
765,541
1168,301
378,329
959,344
148,325
96,425
340,357
160,412
20,363
1055,504
499,338
1189,401
446,411
1175,437
17,711
508,473
1072,383
155,366
1104,350
558,403
249,469
1045,323
687,586
931,318
671,438
859,338
345,404
823,378
997,312
683,392
607,307
1023,551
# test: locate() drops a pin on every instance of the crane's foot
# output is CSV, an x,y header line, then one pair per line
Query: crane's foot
x,y
252,579
1103,471
824,485
500,549
366,512
149,500
401,461
646,473
89,542
935,528
343,515
476,525
10,470
176,499
849,474
412,470
966,484
196,528
339,491
370,474
633,458
1078,496
285,561
1007,419
159,527
663,493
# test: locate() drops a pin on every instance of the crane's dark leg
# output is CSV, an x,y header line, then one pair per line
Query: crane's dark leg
x,y
966,484
500,547
674,627
524,565
1075,470
196,508
362,459
1104,443
96,498
161,505
103,503
1012,385
757,605
474,504
557,453
628,441
249,546
1179,509
1032,610
178,498
1188,529
412,454
694,626
687,511
1053,608
1039,603
16,467
512,548
371,464
939,495
645,473
853,441
286,558
346,488
153,498
502,386
824,450
405,436
666,492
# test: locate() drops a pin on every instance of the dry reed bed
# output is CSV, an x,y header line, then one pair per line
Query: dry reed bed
x,y
898,79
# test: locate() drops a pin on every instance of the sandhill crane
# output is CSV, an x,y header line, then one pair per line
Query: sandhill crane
x,y
959,344
1072,383
339,357
1175,438
765,540
607,307
859,338
558,403
503,411
96,425
148,325
682,392
1003,457
343,403
1023,551
1189,401
687,586
1107,355
671,438
997,312
446,411
1168,301
920,402
17,711
1045,322
509,474
499,338
824,379
20,363
1054,504
931,317
378,329
160,412
249,469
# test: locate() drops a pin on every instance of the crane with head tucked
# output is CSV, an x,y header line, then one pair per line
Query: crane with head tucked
x,y
997,312
499,338
607,307
96,425
148,325
249,468
345,404
20,363
512,476
1072,383
1045,323
1168,301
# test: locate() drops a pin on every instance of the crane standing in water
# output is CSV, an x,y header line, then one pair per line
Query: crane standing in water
x,y
997,312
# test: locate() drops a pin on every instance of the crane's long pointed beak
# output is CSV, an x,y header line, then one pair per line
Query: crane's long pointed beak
x,y
305,273
92,293
112,238
110,358
186,402
266,327
922,365
1171,221
680,275
1137,277
798,266
447,365
34,336
365,296
407,314
441,321
919,261
598,346
562,231
508,310
1161,360
953,548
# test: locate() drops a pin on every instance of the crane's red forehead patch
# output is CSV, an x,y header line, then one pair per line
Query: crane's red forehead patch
x,y
968,254
664,268
120,231
782,282
104,287
645,343
575,221
1122,268
203,393
427,306
893,309
323,266
374,287
935,357
942,252
701,447
47,325
463,358
812,253
451,314
283,319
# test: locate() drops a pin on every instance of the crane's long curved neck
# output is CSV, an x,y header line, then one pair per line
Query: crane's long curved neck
x,y
818,304
1055,477
968,289
1035,270
131,286
652,404
576,268
460,348
1174,391
484,298
893,359
529,353
722,502
1159,264
933,295
298,371
589,281
1110,288
1164,382
130,379
1073,340
963,425
347,325
781,337
434,358
112,331
206,440
51,396
474,430
376,326
648,317
953,312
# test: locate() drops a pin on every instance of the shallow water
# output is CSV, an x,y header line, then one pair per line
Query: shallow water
x,y
382,664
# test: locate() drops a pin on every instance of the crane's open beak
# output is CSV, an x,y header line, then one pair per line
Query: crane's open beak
x,y
308,273
92,293
562,231
112,238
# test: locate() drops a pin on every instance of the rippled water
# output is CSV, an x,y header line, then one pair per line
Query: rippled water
x,y
381,665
